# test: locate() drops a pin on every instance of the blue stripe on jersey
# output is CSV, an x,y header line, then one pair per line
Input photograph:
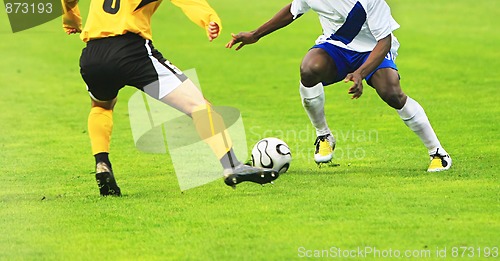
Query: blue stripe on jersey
x,y
352,25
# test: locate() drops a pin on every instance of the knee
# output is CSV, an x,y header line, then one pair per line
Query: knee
x,y
394,98
106,105
311,72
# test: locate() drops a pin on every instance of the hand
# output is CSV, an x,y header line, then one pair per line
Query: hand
x,y
357,89
72,23
70,30
242,38
213,31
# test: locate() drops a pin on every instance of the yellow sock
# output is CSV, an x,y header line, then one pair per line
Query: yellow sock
x,y
211,128
100,125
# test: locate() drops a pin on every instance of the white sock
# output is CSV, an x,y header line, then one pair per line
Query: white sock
x,y
313,101
415,118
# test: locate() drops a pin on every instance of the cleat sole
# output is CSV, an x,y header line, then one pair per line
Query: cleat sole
x,y
260,177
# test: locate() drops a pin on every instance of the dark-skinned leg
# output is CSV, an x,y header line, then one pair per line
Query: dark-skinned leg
x,y
386,83
318,67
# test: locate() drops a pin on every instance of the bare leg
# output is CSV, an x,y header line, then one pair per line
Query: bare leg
x,y
188,99
211,128
386,83
318,67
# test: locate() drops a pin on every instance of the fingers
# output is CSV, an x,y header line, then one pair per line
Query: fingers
x,y
71,31
348,77
213,30
357,94
235,40
356,91
240,46
232,42
213,24
357,88
211,37
243,38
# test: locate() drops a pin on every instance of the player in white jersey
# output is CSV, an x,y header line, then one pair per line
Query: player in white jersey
x,y
357,44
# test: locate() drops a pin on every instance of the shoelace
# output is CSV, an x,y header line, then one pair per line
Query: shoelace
x,y
436,154
320,138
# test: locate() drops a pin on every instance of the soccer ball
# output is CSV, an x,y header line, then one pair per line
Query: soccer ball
x,y
272,153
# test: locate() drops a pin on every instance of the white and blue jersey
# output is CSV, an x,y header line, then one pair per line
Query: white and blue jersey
x,y
351,29
355,25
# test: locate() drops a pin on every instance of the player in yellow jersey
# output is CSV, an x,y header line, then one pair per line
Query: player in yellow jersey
x,y
120,52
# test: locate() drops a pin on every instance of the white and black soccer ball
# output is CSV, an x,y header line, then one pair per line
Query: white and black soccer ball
x,y
272,153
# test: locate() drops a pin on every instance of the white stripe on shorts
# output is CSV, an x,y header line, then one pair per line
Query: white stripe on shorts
x,y
167,80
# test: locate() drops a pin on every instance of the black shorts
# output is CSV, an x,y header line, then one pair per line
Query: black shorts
x,y
108,64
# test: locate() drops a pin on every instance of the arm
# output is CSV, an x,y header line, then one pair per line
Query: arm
x,y
200,12
72,21
283,18
374,60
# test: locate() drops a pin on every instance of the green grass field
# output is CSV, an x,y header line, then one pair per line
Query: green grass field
x,y
379,198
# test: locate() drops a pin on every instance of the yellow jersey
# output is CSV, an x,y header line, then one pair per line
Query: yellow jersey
x,y
116,17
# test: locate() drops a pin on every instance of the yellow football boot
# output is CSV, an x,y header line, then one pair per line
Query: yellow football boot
x,y
325,145
439,162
